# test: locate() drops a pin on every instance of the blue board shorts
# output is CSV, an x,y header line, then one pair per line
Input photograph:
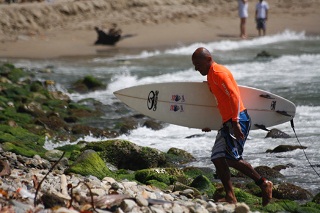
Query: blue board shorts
x,y
226,145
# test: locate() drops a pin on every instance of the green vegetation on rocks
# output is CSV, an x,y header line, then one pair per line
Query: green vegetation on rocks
x,y
88,83
204,185
165,175
316,198
123,174
312,205
157,184
136,157
194,172
287,205
291,206
30,113
181,187
72,151
249,199
90,163
21,141
179,156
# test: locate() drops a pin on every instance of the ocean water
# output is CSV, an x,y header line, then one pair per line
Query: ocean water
x,y
293,72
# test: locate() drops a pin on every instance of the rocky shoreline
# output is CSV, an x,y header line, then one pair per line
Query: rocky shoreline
x,y
40,185
90,194
112,175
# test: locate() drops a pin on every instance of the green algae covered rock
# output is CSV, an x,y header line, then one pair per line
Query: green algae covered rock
x,y
291,192
31,111
72,151
88,83
307,210
316,198
53,155
164,175
249,199
90,163
18,149
241,195
123,174
16,74
157,184
312,205
272,208
194,172
280,206
204,185
127,155
179,156
287,205
181,187
21,141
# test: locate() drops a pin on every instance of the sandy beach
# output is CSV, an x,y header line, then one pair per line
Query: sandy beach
x,y
77,37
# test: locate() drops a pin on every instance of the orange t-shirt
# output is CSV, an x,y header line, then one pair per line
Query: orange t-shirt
x,y
225,89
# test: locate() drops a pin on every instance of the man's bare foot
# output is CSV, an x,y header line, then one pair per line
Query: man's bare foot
x,y
266,188
227,200
243,36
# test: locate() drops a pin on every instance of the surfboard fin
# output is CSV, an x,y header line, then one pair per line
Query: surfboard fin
x,y
266,96
283,113
263,127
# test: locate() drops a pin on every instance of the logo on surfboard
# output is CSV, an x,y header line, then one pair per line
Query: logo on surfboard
x,y
177,98
176,108
152,100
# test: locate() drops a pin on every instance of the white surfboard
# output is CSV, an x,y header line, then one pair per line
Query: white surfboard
x,y
191,104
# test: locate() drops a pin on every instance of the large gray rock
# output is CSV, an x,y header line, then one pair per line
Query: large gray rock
x,y
290,192
285,148
276,133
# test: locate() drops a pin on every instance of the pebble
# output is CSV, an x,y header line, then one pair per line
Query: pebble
x,y
18,189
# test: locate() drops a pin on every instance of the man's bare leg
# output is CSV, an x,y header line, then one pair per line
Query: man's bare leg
x,y
223,172
248,170
243,33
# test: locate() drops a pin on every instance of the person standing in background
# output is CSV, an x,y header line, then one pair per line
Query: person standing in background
x,y
243,14
261,16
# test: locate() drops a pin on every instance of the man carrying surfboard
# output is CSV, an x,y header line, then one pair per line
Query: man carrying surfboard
x,y
228,148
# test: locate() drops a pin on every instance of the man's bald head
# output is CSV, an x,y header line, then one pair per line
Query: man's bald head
x,y
201,53
202,60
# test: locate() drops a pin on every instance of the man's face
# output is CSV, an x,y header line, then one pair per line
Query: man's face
x,y
201,65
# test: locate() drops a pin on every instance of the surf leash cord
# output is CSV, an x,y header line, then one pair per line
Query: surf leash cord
x,y
292,126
